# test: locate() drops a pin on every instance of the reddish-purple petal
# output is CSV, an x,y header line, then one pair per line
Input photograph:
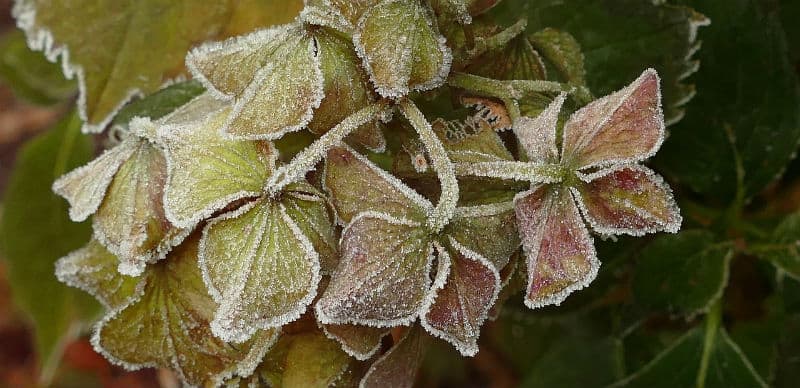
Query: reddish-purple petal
x,y
625,126
628,199
559,251
469,286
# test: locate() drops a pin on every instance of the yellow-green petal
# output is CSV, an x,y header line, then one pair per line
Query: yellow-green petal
x,y
259,266
93,269
401,48
168,327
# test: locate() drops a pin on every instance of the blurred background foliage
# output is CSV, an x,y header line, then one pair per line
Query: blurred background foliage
x,y
716,305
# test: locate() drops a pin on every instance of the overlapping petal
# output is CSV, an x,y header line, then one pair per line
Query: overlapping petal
x,y
273,76
560,253
383,275
260,267
398,367
466,286
361,342
167,325
410,56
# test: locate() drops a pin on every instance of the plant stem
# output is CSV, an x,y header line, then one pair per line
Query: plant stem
x,y
518,171
440,161
713,320
304,161
499,40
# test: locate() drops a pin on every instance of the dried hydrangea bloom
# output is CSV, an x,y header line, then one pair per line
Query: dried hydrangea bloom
x,y
388,251
162,318
262,260
122,188
594,177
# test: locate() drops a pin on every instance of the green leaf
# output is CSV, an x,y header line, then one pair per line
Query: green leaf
x,y
36,232
620,38
782,248
122,48
347,89
160,103
563,51
167,325
29,74
744,124
680,364
683,273
574,361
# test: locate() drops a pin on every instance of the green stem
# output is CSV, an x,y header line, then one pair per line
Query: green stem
x,y
305,160
712,322
518,171
507,91
499,40
440,161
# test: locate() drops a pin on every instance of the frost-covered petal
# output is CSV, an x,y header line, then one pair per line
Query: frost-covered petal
x,y
130,221
346,89
624,126
85,187
628,199
305,359
357,185
168,326
559,252
310,212
361,342
401,48
93,269
272,75
468,285
207,172
227,68
342,15
537,136
382,276
490,230
282,96
398,367
259,266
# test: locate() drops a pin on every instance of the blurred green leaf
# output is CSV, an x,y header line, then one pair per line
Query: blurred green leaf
x,y
680,364
574,362
128,47
788,367
744,119
160,103
683,273
29,74
782,248
36,231
620,38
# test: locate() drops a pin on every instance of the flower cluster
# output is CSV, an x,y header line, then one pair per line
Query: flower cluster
x,y
217,247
